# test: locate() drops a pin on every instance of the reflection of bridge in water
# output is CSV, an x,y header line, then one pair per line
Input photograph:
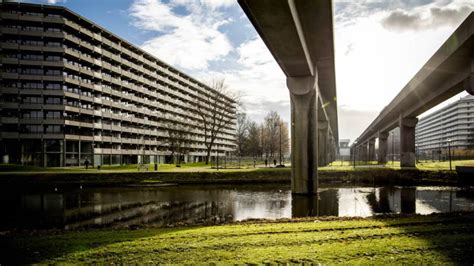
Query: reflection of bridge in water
x,y
121,208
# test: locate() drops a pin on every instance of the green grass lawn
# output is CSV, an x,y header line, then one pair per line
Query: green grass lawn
x,y
437,239
420,165
202,167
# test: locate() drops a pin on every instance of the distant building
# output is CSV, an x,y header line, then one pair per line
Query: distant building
x,y
72,92
344,149
453,123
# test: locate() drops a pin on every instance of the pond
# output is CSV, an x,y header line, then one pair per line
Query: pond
x,y
77,208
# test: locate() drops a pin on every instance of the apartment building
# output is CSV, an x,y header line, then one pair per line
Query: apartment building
x,y
451,127
71,92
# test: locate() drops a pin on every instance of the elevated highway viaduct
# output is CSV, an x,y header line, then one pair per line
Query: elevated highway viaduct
x,y
448,72
299,34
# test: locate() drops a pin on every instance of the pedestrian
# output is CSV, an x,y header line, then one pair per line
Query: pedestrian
x,y
86,163
274,162
266,163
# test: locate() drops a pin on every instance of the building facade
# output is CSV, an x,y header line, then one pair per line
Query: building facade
x,y
451,127
72,91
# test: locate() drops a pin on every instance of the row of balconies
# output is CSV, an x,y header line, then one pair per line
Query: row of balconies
x,y
450,111
47,19
222,139
113,56
143,111
435,130
226,136
111,80
462,117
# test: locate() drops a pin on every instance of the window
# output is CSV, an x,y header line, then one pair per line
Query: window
x,y
35,14
35,57
53,72
33,43
53,100
54,44
52,129
32,129
32,28
53,115
53,30
53,58
33,114
53,86
33,100
33,85
33,71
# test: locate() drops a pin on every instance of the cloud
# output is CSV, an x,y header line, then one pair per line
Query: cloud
x,y
399,20
53,2
188,41
353,122
257,78
349,49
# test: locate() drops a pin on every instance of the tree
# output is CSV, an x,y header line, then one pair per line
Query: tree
x,y
285,140
216,109
242,133
271,124
178,136
253,144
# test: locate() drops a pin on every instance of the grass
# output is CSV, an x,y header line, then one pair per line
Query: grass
x,y
202,167
420,165
435,239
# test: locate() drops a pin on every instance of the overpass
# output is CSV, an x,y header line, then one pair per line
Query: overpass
x,y
299,34
448,72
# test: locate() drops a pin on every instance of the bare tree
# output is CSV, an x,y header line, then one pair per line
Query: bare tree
x,y
217,110
178,136
253,145
271,124
242,132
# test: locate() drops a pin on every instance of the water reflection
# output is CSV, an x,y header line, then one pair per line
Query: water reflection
x,y
193,204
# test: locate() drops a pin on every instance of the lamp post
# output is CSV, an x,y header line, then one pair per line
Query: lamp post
x,y
449,154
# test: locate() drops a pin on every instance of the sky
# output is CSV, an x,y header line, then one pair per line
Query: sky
x,y
379,47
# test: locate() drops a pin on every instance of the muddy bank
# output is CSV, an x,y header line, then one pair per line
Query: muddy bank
x,y
368,176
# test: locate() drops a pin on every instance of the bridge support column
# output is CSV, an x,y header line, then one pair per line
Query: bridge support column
x,y
469,83
372,150
383,147
304,132
363,152
407,141
323,145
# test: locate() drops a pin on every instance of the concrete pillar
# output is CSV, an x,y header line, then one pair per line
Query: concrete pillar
x,y
363,152
304,145
371,150
469,83
383,147
323,134
407,141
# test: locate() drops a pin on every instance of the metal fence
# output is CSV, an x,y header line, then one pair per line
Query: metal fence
x,y
236,162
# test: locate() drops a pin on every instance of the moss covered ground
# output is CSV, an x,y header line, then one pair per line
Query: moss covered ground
x,y
434,239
